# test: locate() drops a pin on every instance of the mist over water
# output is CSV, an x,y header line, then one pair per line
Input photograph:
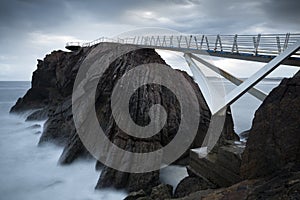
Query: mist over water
x,y
30,172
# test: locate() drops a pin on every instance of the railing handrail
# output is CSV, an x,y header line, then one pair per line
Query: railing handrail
x,y
260,44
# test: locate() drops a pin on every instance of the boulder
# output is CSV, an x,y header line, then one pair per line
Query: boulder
x,y
191,184
274,139
282,185
161,192
136,195
141,101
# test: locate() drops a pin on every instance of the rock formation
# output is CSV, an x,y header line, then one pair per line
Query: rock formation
x,y
274,139
51,96
283,185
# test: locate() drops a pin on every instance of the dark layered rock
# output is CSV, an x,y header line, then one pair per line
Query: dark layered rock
x,y
52,81
141,101
274,139
228,132
136,195
51,94
220,167
130,181
41,114
159,192
162,191
282,185
191,184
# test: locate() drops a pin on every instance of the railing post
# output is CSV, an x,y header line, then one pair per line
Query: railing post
x,y
207,44
202,39
256,44
235,45
171,41
134,40
286,41
138,39
190,39
152,37
142,40
157,40
164,41
195,37
179,40
186,41
218,40
278,44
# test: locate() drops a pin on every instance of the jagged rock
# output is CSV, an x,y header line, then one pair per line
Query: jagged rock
x,y
142,100
274,138
35,98
132,182
60,126
244,135
73,150
161,192
220,167
52,81
35,126
227,133
99,166
282,185
136,195
189,185
41,114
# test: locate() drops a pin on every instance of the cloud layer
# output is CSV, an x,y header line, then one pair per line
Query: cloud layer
x,y
31,28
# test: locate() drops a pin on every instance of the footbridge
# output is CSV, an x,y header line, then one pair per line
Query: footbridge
x,y
272,49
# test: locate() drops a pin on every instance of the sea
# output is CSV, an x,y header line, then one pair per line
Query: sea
x,y
29,172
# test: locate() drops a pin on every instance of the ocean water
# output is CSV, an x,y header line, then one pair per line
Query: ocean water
x,y
28,172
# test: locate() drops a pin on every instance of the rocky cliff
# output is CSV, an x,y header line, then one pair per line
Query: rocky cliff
x,y
51,98
270,164
274,139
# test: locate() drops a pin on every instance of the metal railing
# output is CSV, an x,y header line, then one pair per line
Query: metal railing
x,y
256,45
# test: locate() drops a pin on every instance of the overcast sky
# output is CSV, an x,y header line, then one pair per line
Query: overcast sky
x,y
29,29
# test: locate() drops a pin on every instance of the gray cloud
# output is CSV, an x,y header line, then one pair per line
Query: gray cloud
x,y
31,28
